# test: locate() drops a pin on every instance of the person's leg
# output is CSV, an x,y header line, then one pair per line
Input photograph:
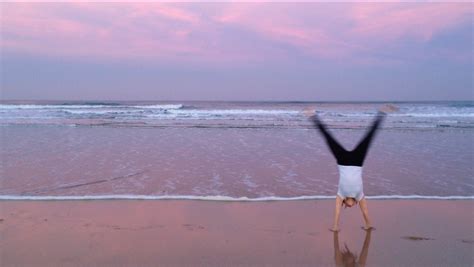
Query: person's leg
x,y
337,150
360,152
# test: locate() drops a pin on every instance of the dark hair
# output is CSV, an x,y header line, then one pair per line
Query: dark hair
x,y
344,201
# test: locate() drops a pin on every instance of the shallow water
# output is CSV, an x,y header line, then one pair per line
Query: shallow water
x,y
45,160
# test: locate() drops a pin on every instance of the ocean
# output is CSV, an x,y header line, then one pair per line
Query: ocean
x,y
233,151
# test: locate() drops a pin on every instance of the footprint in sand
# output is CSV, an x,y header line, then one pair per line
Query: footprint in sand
x,y
150,227
467,241
192,227
417,238
282,231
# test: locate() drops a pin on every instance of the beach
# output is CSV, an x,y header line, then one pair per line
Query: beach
x,y
219,233
230,184
221,134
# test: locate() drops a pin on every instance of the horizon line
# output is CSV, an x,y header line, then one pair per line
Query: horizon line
x,y
238,101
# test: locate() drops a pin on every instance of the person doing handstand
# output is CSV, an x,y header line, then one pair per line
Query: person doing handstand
x,y
350,189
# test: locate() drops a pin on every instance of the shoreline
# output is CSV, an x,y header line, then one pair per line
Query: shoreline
x,y
217,233
219,198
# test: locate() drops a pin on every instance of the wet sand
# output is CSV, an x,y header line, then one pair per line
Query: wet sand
x,y
293,162
207,233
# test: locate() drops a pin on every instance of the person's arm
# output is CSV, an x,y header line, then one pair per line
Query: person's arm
x,y
365,249
337,212
365,214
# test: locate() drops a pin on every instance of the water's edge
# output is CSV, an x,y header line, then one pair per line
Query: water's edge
x,y
219,198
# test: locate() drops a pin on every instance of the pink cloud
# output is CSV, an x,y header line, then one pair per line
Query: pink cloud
x,y
391,21
381,22
41,29
277,25
162,10
197,33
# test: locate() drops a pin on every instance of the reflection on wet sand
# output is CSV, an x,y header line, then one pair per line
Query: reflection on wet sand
x,y
347,257
213,233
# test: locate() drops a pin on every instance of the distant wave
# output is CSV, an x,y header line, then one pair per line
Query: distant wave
x,y
231,115
214,112
33,106
169,106
92,103
220,198
180,109
202,125
435,114
86,106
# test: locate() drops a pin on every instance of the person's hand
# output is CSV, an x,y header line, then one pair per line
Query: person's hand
x,y
309,111
388,108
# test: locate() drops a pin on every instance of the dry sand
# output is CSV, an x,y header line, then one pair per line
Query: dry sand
x,y
207,233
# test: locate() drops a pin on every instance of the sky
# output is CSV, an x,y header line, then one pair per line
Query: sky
x,y
237,51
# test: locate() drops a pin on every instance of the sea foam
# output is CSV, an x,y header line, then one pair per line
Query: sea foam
x,y
221,198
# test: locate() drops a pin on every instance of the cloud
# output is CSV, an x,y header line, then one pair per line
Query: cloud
x,y
123,31
226,32
355,29
392,21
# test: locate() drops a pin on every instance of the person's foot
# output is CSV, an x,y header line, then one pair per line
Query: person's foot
x,y
309,111
368,228
334,229
388,108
